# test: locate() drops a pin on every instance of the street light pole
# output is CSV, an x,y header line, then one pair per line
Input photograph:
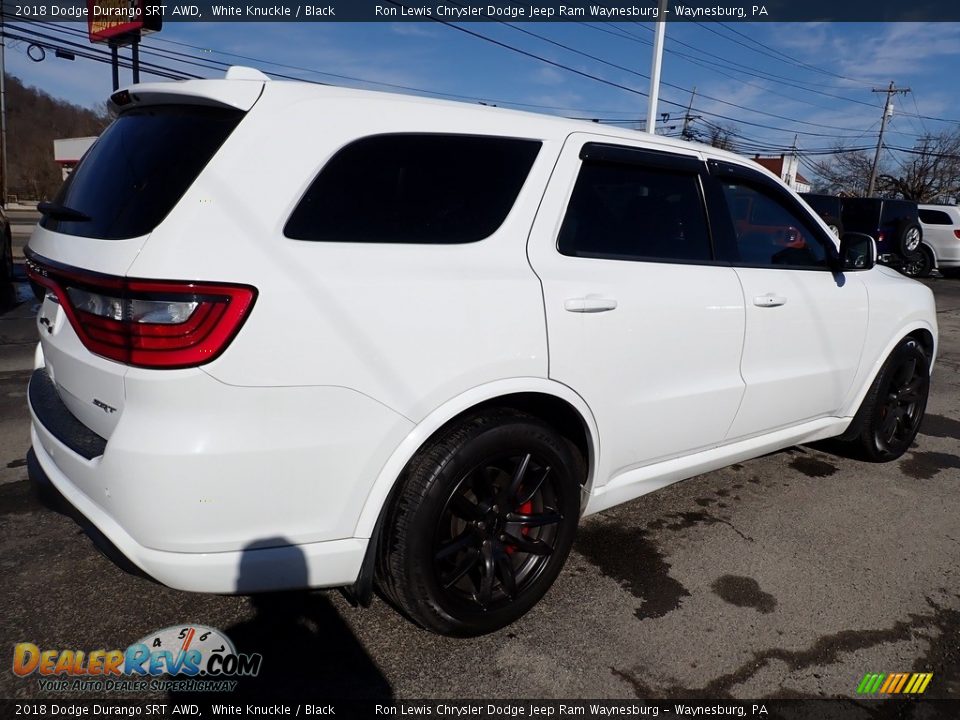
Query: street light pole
x,y
655,64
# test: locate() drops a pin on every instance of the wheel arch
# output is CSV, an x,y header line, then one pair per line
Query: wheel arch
x,y
919,330
550,401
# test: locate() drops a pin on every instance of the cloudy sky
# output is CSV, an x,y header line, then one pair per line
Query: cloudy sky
x,y
771,81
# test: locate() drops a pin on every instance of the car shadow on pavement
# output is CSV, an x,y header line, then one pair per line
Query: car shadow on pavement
x,y
309,652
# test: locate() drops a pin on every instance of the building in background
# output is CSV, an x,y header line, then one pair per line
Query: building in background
x,y
787,168
68,151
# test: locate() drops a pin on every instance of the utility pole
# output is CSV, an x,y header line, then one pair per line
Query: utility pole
x,y
685,133
887,112
655,67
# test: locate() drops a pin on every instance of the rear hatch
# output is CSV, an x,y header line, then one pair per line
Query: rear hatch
x,y
95,322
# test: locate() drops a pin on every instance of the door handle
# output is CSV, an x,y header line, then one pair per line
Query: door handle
x,y
590,304
769,300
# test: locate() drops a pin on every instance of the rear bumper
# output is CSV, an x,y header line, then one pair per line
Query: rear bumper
x,y
257,568
214,488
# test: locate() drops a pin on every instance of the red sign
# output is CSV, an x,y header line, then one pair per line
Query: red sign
x,y
119,19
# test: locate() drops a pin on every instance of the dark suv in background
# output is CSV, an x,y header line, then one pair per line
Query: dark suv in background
x,y
7,295
894,224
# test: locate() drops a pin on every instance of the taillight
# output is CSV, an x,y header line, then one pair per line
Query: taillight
x,y
880,237
956,234
147,323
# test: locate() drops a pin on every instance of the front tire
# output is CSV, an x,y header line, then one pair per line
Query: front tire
x,y
890,416
919,264
482,523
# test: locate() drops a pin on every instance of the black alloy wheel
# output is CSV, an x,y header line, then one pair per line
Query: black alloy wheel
x,y
497,531
891,413
901,405
481,523
918,264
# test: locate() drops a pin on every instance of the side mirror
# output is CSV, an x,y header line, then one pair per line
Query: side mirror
x,y
857,252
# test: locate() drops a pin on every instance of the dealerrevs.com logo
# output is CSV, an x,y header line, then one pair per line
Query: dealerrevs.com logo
x,y
182,657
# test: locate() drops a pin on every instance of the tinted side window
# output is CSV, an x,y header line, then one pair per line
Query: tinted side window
x,y
823,205
895,211
431,189
631,212
769,233
861,215
140,168
935,217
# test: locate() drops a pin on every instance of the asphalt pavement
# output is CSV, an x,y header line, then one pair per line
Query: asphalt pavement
x,y
791,575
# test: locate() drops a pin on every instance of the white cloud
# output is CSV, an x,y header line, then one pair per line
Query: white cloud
x,y
547,75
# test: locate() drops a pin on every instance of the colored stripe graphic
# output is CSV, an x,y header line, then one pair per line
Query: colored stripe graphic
x,y
894,683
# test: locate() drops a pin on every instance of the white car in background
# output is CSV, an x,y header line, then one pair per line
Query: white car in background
x,y
941,236
304,336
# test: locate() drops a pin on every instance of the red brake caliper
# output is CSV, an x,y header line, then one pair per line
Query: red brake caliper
x,y
524,509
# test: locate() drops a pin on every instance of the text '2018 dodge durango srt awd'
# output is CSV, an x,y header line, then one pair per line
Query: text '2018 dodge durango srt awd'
x,y
305,336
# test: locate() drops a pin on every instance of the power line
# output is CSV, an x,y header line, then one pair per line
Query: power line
x,y
778,55
620,86
263,61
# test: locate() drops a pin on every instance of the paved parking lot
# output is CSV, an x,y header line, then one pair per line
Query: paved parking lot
x,y
791,575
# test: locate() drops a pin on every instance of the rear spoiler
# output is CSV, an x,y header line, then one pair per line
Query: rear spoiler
x,y
239,90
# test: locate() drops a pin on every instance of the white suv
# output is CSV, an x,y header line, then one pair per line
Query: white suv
x,y
941,237
305,336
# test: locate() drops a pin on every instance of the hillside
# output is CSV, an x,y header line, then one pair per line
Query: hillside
x,y
34,119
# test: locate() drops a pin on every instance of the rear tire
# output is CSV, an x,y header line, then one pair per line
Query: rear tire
x,y
890,415
481,524
836,227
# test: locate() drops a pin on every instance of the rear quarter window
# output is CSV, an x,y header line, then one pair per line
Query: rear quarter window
x,y
935,217
139,169
417,189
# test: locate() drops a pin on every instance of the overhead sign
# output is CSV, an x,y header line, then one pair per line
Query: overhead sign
x,y
122,20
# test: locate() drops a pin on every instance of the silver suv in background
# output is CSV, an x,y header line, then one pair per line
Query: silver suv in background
x,y
941,237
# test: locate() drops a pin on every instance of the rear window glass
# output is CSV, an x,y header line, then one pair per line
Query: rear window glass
x,y
424,189
139,168
861,213
823,205
935,217
894,211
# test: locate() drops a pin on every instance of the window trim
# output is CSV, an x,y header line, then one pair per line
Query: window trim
x,y
602,153
757,181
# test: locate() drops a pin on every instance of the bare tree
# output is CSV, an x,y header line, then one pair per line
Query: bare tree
x,y
845,173
927,173
34,120
930,172
719,136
